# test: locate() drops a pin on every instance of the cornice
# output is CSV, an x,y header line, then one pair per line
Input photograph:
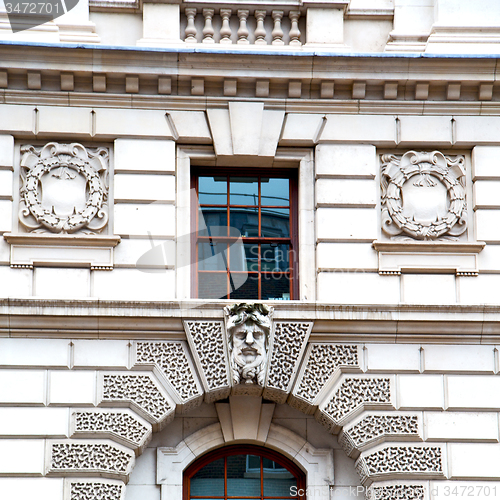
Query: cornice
x,y
146,77
400,323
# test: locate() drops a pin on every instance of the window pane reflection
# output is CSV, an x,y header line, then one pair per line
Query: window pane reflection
x,y
249,289
212,256
275,192
275,223
244,191
274,257
239,481
212,285
213,223
244,257
246,220
212,190
275,287
209,480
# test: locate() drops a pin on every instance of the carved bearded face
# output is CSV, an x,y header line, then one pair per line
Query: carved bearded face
x,y
248,332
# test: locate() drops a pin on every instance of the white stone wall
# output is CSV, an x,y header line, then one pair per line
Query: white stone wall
x,y
150,209
440,403
391,352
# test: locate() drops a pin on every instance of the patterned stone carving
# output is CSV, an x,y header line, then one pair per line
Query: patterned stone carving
x,y
207,343
172,360
290,340
248,329
372,427
96,491
423,195
395,461
90,457
322,363
64,188
396,492
142,392
354,394
119,425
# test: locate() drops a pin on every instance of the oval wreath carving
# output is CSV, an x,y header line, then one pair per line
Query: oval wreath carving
x,y
426,170
73,161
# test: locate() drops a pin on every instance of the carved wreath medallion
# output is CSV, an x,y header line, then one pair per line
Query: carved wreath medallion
x,y
423,195
64,188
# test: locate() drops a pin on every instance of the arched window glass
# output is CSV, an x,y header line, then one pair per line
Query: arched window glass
x,y
243,473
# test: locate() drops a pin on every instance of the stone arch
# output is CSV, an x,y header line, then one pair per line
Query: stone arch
x,y
172,461
321,378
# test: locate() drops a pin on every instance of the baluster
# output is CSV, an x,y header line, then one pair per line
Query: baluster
x,y
260,31
277,31
190,28
208,30
225,31
294,29
243,30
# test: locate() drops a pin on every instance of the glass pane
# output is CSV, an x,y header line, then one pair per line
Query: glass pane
x,y
275,286
209,480
212,256
248,290
279,484
245,220
274,257
275,223
244,191
253,462
212,190
275,192
212,285
239,480
244,257
212,222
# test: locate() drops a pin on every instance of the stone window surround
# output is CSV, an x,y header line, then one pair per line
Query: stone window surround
x,y
172,461
285,157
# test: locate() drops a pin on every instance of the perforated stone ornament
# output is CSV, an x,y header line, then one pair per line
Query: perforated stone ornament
x,y
64,188
423,195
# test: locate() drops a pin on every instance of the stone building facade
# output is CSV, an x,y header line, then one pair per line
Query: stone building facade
x,y
335,166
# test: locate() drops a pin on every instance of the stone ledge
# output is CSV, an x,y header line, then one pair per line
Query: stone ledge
x,y
94,251
396,257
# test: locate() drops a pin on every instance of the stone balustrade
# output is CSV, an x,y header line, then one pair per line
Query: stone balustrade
x,y
243,27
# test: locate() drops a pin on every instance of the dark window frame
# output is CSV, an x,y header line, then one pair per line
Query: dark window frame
x,y
248,449
293,240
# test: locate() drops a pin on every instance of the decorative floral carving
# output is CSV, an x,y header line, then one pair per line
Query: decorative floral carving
x,y
64,188
423,195
116,423
352,393
207,343
172,360
396,492
96,491
288,344
101,457
322,361
401,460
248,328
140,390
373,426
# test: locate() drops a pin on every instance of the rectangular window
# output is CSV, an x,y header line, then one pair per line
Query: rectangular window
x,y
245,234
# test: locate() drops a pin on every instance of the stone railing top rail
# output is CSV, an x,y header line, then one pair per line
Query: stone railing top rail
x,y
235,4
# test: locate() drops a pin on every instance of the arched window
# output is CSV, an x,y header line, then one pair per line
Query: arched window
x,y
243,472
